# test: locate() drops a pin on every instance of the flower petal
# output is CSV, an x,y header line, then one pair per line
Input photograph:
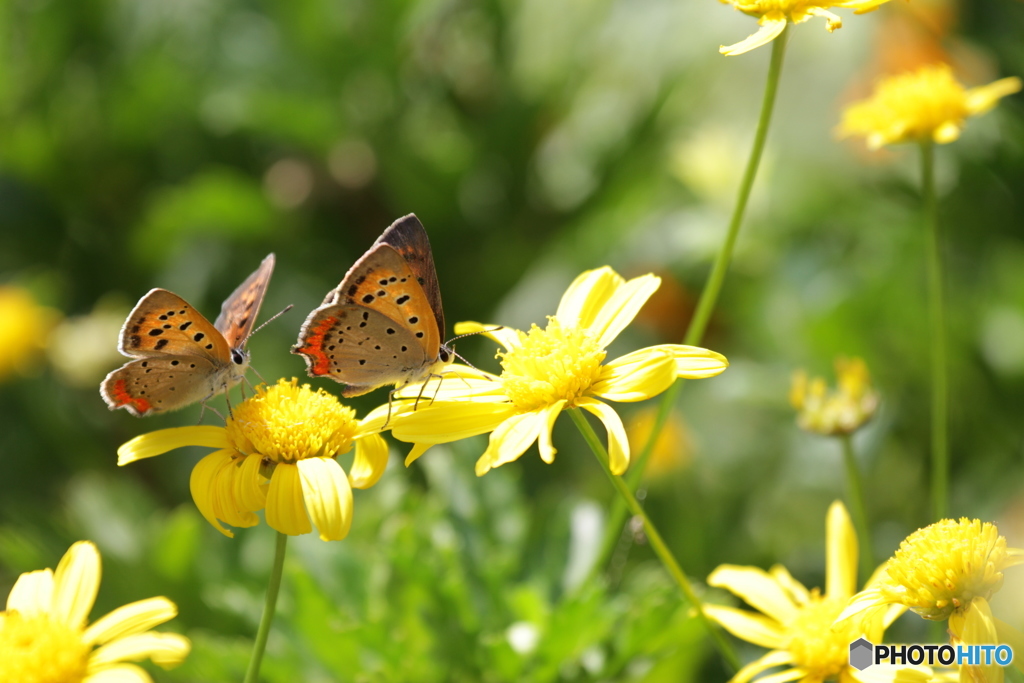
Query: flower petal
x,y
622,307
693,362
32,593
773,658
132,618
459,383
417,450
788,675
984,97
165,649
769,31
636,376
285,509
370,462
750,626
840,554
76,582
201,483
451,421
328,496
544,444
510,439
163,440
796,591
586,296
870,599
1008,635
120,673
757,588
506,336
618,442
250,484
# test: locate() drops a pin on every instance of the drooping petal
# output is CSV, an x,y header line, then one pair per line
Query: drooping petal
x,y
76,581
772,659
796,591
165,649
618,312
749,626
135,617
164,440
202,484
370,462
250,484
769,31
286,511
618,442
544,444
840,553
985,97
510,439
120,673
870,599
833,21
506,336
416,451
452,421
586,296
328,496
32,593
757,588
636,376
226,504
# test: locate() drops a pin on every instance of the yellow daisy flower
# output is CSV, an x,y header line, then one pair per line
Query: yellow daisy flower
x,y
551,369
45,636
941,571
24,330
918,106
277,451
773,15
795,623
843,411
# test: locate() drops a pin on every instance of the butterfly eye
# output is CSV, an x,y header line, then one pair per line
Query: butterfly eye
x,y
443,354
237,356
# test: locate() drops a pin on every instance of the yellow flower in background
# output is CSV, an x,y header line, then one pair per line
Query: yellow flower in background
x,y
45,636
773,15
840,412
277,451
673,449
923,105
24,330
547,370
797,624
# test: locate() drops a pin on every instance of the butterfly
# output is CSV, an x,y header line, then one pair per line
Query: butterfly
x,y
383,324
180,357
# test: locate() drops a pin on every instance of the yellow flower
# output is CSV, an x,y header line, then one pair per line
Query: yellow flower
x,y
841,412
277,451
673,448
551,369
796,624
940,572
918,106
24,330
773,15
45,636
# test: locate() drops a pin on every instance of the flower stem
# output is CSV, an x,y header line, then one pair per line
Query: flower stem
x,y
252,674
937,332
712,288
857,507
657,543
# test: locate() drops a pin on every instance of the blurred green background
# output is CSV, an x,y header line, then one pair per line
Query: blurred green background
x,y
174,144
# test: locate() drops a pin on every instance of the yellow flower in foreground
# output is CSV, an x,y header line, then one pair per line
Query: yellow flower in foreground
x,y
45,636
773,15
24,330
841,412
796,624
277,451
941,571
551,369
919,106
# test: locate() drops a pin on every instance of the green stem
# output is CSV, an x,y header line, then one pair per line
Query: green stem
x,y
858,509
709,295
252,674
657,543
937,332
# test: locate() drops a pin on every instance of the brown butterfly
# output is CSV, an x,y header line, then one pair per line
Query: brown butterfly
x,y
383,324
181,357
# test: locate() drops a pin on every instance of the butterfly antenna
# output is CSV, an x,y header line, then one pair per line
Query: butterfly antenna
x,y
268,321
472,334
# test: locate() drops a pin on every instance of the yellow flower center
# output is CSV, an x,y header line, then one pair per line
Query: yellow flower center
x,y
938,570
551,364
38,649
840,412
815,646
286,423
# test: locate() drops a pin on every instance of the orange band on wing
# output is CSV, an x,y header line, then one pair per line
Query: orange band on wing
x,y
123,398
314,347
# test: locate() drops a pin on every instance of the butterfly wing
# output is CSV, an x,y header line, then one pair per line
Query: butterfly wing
x,y
163,324
239,311
408,237
360,347
155,385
